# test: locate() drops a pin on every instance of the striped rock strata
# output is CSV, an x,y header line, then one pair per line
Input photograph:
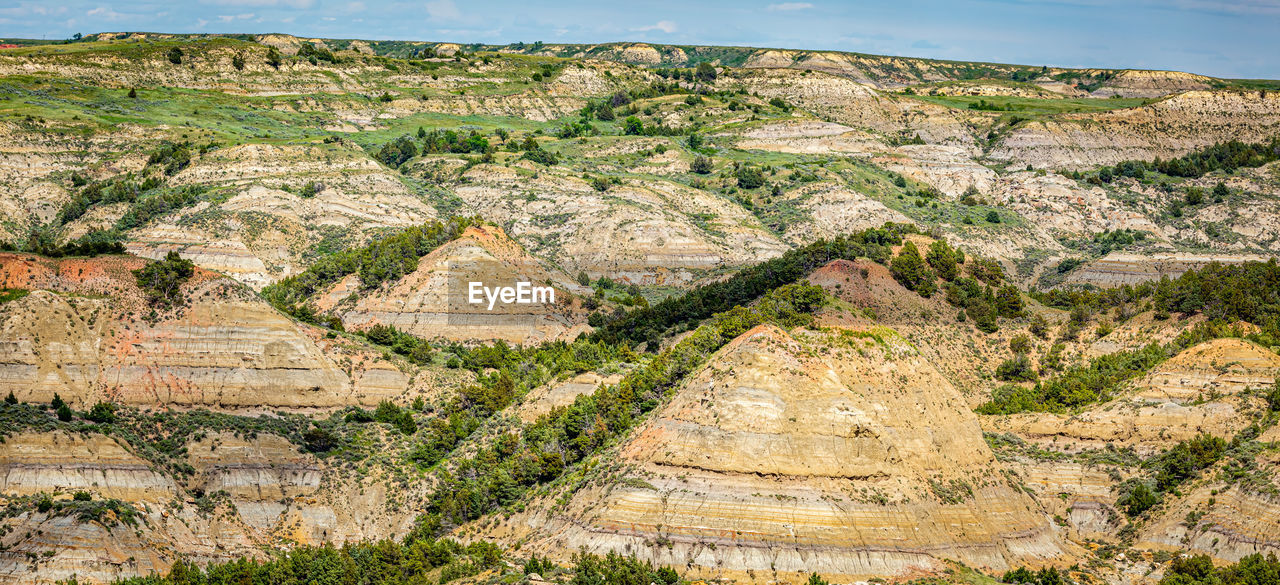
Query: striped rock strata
x,y
844,453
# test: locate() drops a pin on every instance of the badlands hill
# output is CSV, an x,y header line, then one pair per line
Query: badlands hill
x,y
817,312
86,333
843,453
288,157
434,300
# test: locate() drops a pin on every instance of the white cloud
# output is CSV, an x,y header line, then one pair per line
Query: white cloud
x,y
355,7
443,10
1269,7
789,6
665,26
104,13
263,3
231,17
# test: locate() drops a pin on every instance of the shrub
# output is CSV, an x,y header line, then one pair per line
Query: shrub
x,y
1220,191
705,72
1017,369
174,55
908,268
1009,301
749,177
540,156
162,281
319,440
1187,458
1039,326
1138,499
102,413
942,258
701,165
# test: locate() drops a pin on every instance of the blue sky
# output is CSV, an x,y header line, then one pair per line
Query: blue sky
x,y
1227,39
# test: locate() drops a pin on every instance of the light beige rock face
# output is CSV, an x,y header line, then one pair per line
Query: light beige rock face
x,y
641,232
266,230
29,159
84,338
264,491
1150,84
31,463
950,169
1060,205
266,468
1121,268
1167,128
89,551
1198,391
1081,494
843,453
434,300
1224,519
852,104
561,393
834,210
808,137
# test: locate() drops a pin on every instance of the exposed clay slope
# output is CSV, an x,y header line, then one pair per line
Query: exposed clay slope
x,y
1225,519
842,453
1121,268
853,104
434,300
1167,128
86,334
263,493
265,230
1149,84
1197,391
641,231
32,463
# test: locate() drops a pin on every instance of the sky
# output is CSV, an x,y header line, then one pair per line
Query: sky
x,y
1224,39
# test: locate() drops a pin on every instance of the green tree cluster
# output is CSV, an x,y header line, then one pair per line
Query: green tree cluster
x,y
162,281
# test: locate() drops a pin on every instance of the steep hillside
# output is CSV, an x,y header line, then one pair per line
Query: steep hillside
x,y
224,496
86,333
841,452
433,301
1197,391
1166,128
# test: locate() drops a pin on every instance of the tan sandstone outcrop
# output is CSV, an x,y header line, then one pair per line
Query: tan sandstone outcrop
x,y
1167,128
1194,392
434,300
840,453
82,334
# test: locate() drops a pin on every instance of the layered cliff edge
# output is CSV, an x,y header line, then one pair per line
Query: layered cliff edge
x,y
843,453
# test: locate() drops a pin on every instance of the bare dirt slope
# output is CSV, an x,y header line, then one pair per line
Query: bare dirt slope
x,y
844,453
